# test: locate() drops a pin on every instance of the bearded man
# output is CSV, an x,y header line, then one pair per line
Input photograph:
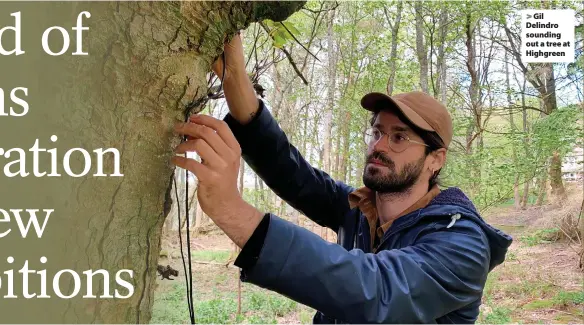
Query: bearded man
x,y
407,251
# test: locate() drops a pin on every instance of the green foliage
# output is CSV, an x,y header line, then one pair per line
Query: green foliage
x,y
564,298
281,32
558,131
215,311
499,315
270,304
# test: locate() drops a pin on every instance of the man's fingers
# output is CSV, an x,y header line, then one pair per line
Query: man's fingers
x,y
191,165
197,131
208,155
221,127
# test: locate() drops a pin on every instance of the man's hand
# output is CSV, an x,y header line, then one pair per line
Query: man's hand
x,y
239,92
217,175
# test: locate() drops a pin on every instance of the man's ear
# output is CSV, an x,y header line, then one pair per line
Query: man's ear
x,y
438,159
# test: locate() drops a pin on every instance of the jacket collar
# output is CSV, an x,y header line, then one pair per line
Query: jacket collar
x,y
364,199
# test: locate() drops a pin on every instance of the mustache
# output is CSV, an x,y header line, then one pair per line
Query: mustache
x,y
381,157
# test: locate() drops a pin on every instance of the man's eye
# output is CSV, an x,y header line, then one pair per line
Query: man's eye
x,y
399,137
376,134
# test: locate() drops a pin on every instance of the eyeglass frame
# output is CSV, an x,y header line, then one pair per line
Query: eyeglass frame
x,y
406,136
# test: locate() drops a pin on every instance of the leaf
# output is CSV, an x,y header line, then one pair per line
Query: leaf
x,y
291,28
279,41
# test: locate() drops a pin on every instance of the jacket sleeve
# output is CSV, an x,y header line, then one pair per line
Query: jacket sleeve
x,y
445,270
267,151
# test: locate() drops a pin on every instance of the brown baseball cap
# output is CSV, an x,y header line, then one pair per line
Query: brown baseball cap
x,y
420,108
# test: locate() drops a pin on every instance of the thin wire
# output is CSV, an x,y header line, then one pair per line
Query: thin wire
x,y
181,248
192,308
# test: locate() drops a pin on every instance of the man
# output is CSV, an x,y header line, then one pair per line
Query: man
x,y
407,253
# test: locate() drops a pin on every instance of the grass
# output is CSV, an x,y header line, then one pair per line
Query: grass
x,y
499,315
211,256
528,289
541,236
562,299
258,307
170,306
511,257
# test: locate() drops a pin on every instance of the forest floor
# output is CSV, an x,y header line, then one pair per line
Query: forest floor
x,y
539,282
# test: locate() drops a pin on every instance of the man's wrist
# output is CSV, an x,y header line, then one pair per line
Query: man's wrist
x,y
241,96
240,222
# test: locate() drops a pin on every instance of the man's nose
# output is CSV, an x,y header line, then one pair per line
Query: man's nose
x,y
382,144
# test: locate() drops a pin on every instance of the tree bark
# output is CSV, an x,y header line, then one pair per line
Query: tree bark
x,y
148,61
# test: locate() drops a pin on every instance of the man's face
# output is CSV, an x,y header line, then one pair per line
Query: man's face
x,y
387,171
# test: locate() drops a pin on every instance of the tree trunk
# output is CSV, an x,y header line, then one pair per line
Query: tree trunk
x,y
526,144
547,91
332,77
441,58
421,47
394,41
476,102
147,61
541,188
516,194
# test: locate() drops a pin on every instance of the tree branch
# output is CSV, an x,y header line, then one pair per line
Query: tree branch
x,y
297,41
288,56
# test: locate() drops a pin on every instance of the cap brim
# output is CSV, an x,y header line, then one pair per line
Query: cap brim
x,y
378,101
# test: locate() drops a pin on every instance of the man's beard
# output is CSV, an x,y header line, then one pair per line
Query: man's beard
x,y
391,182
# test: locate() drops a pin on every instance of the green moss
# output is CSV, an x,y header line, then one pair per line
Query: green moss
x,y
275,10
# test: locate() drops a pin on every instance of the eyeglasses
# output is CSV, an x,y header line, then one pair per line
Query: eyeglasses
x,y
398,141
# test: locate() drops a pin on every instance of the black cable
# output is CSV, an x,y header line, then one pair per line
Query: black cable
x,y
191,306
189,275
181,247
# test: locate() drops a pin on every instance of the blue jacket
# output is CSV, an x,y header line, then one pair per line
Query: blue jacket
x,y
431,265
